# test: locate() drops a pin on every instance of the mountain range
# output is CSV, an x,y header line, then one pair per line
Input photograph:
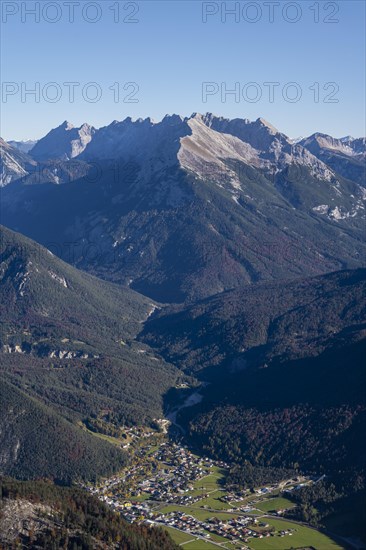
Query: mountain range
x,y
193,250
266,146
345,156
190,207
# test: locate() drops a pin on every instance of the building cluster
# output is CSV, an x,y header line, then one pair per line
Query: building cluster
x,y
180,470
169,474
237,530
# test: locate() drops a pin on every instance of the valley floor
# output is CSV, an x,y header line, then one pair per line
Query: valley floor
x,y
169,486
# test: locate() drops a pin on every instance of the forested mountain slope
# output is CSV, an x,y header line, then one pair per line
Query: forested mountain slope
x,y
68,340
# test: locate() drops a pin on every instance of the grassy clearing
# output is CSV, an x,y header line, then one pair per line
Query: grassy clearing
x,y
213,501
302,537
178,536
114,440
274,504
200,544
216,538
211,482
198,513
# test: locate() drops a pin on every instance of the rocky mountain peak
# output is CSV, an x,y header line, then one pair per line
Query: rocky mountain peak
x,y
64,142
319,141
264,123
66,125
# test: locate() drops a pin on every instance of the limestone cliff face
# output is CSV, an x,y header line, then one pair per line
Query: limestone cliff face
x,y
65,142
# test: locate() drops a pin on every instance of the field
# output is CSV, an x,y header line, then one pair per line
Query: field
x,y
212,501
191,541
274,504
200,545
211,484
302,537
179,536
217,538
212,481
198,513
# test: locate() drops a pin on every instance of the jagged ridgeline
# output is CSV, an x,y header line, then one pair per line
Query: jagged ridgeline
x,y
189,207
68,343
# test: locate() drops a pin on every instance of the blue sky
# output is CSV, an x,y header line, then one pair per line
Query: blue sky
x,y
170,52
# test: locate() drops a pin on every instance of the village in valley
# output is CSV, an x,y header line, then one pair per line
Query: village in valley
x,y
167,485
